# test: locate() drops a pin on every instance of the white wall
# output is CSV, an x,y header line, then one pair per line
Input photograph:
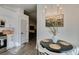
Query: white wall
x,y
13,19
70,31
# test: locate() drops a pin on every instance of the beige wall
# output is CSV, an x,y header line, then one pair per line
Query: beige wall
x,y
70,31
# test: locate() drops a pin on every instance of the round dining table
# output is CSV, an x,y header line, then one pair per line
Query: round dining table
x,y
58,47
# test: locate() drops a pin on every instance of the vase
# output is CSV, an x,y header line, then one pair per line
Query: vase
x,y
55,39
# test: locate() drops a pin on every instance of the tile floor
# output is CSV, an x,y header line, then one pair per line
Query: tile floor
x,y
26,49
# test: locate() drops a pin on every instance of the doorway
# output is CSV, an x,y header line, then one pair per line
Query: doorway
x,y
32,30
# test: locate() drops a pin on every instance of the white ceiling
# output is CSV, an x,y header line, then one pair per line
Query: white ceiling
x,y
30,8
27,7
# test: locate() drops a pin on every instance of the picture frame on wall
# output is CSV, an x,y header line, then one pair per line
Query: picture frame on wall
x,y
55,21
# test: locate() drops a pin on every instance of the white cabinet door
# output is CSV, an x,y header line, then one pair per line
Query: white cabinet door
x,y
24,29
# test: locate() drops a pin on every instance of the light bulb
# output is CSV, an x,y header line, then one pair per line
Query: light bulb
x,y
45,7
